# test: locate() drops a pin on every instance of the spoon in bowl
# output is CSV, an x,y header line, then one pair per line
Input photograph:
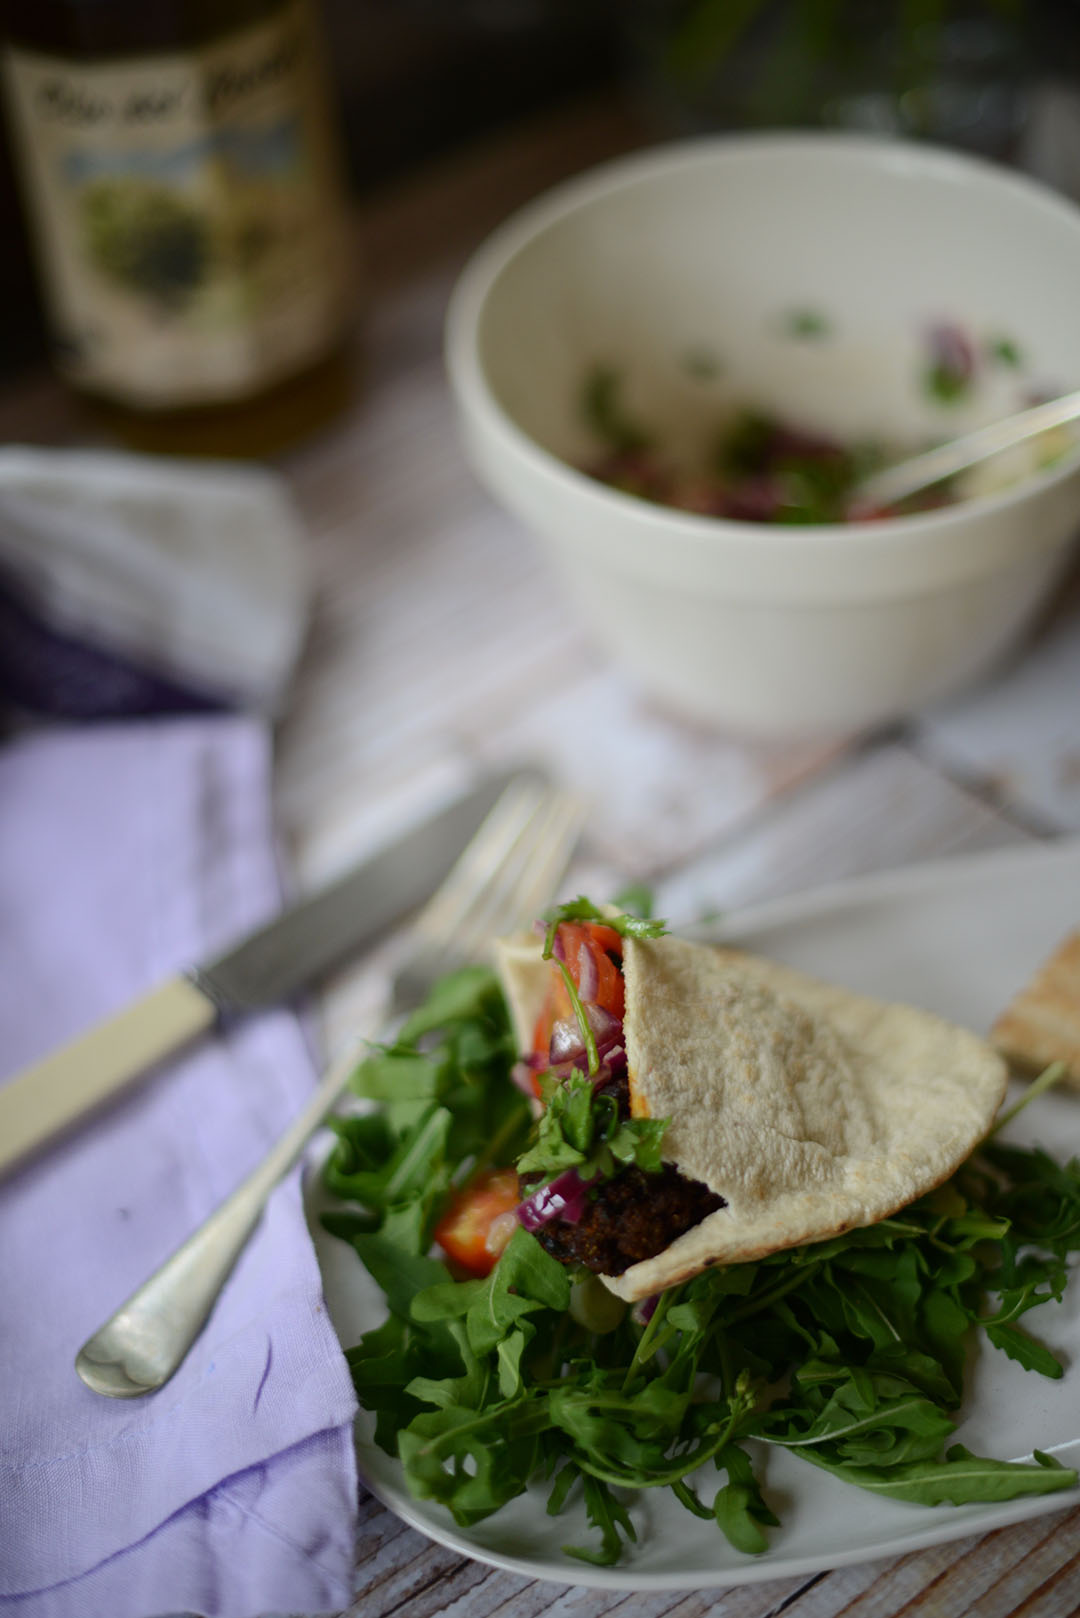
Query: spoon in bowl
x,y
923,471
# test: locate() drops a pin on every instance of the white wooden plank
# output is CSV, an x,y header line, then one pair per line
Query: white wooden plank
x,y
884,808
1019,736
985,1576
660,791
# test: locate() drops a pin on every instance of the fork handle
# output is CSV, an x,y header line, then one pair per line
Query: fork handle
x,y
139,1348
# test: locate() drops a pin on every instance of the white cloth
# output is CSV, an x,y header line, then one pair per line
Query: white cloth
x,y
193,572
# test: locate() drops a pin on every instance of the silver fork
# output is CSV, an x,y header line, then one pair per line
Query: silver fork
x,y
504,877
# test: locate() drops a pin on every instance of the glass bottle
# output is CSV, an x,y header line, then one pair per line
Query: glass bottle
x,y
183,187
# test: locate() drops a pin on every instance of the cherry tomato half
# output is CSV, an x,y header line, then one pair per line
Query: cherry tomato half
x,y
601,943
475,1228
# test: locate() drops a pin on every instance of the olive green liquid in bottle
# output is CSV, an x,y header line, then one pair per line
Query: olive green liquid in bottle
x,y
182,182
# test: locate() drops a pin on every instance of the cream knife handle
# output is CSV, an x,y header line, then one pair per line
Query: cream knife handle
x,y
53,1093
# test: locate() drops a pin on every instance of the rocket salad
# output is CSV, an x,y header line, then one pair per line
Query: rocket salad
x,y
499,1366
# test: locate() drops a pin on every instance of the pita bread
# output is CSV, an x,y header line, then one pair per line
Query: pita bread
x,y
810,1110
1042,1024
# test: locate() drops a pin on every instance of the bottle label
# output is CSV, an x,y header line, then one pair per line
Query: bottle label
x,y
188,212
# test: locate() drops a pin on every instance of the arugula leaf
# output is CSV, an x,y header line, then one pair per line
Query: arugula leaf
x,y
849,1353
957,1479
525,1279
472,1462
468,995
739,1509
611,1518
1019,1345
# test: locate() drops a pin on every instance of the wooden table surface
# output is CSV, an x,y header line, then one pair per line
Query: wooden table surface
x,y
441,646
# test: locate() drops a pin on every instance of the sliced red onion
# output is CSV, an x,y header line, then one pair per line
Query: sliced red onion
x,y
588,975
564,1199
558,948
753,499
566,1041
795,443
606,1027
522,1074
952,349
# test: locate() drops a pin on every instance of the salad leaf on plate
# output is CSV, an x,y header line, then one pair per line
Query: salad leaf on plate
x,y
850,1353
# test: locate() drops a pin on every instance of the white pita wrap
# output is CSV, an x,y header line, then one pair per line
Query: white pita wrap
x,y
810,1110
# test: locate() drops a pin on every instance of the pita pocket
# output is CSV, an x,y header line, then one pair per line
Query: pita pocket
x,y
809,1109
1042,1024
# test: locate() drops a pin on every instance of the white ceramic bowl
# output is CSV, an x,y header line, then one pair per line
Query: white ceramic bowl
x,y
712,245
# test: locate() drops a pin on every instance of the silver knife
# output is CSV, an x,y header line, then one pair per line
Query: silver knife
x,y
289,954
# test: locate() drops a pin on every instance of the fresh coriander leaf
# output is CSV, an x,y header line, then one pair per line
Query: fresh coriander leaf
x,y
1004,351
635,900
582,909
637,1141
565,1122
580,1129
602,408
945,385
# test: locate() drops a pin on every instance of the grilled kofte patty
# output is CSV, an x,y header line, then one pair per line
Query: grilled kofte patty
x,y
631,1217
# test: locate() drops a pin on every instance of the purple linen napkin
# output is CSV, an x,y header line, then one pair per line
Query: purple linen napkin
x,y
125,853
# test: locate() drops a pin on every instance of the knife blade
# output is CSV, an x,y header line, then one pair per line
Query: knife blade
x,y
290,953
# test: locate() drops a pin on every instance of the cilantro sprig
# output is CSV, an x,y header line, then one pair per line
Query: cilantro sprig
x,y
580,1129
483,1387
582,909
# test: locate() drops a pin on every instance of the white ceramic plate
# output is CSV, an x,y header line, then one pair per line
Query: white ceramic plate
x,y
958,937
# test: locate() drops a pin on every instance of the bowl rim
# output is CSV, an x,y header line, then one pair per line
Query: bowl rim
x,y
527,223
